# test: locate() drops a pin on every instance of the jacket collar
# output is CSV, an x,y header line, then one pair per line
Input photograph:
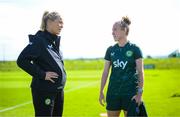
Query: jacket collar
x,y
46,35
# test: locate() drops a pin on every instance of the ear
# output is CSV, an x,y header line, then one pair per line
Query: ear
x,y
49,23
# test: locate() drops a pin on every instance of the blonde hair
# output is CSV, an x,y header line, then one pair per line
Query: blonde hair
x,y
124,24
48,16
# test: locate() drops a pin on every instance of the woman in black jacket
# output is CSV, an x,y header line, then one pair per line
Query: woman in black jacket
x,y
42,59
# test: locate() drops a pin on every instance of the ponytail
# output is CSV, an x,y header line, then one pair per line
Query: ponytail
x,y
44,20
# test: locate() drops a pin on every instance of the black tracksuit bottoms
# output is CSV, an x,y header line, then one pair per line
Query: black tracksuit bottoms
x,y
48,103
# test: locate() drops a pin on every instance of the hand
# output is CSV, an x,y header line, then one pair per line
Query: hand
x,y
138,98
50,75
102,99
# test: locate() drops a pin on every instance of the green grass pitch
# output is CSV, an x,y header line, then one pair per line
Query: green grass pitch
x,y
82,91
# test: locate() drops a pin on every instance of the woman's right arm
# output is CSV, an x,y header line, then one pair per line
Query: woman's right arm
x,y
25,61
103,81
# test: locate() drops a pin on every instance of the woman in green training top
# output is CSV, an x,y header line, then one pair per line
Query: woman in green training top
x,y
127,73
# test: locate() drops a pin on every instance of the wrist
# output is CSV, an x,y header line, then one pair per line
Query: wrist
x,y
139,91
101,92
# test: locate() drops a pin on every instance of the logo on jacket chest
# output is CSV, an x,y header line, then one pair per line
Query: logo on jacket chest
x,y
120,64
50,46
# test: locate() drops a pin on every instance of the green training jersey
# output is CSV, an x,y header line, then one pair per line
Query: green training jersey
x,y
123,77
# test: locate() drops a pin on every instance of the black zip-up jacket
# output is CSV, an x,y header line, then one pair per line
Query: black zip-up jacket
x,y
36,60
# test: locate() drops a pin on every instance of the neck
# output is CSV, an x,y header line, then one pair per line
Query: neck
x,y
49,30
122,42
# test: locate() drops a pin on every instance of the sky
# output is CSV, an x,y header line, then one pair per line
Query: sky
x,y
87,32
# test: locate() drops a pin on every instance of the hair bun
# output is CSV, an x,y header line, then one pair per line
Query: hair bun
x,y
126,20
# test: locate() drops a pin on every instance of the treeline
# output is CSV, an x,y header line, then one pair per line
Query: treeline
x,y
93,64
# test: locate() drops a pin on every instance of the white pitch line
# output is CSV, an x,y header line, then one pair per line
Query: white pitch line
x,y
29,102
81,86
16,106
103,114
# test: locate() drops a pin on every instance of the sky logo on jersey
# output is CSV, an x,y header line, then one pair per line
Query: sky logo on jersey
x,y
129,53
120,64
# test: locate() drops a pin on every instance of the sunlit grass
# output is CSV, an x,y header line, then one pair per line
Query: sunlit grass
x,y
82,91
161,90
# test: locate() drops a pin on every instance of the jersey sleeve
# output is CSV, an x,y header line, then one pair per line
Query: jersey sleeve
x,y
108,54
138,53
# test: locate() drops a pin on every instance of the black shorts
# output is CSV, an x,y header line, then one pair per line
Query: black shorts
x,y
115,103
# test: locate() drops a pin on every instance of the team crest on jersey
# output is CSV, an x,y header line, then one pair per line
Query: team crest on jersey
x,y
129,53
47,101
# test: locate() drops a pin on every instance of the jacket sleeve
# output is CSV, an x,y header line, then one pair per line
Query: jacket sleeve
x,y
26,60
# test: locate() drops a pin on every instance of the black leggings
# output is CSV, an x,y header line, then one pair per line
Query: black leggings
x,y
48,104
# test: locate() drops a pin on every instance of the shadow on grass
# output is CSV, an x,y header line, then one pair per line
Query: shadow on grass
x,y
175,95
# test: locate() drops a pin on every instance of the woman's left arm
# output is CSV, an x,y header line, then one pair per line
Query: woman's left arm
x,y
140,69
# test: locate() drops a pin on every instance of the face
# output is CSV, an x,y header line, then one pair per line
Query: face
x,y
117,32
55,26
